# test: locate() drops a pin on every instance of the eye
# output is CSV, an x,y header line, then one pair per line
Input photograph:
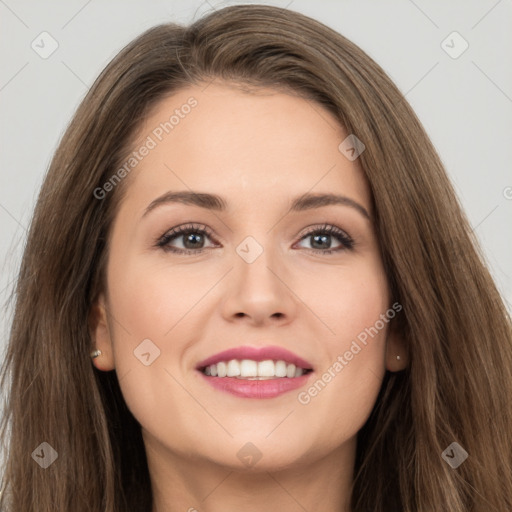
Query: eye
x,y
193,238
321,239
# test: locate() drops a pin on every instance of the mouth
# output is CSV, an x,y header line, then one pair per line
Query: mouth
x,y
255,370
251,372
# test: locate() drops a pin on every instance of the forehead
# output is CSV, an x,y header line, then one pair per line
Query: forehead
x,y
264,143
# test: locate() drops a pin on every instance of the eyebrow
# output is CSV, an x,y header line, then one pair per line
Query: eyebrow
x,y
307,201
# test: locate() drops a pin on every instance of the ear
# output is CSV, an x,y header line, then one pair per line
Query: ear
x,y
396,346
100,335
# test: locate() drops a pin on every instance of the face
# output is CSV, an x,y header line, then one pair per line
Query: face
x,y
187,279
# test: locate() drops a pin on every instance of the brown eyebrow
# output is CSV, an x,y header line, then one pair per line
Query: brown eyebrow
x,y
309,201
214,202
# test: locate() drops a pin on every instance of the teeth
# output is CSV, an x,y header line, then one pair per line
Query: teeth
x,y
221,369
280,369
254,370
290,371
233,368
248,368
266,368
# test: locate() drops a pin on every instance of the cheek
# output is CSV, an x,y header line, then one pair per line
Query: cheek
x,y
150,299
148,304
349,300
347,384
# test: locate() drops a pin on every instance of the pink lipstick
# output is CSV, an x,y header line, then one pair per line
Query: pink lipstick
x,y
255,372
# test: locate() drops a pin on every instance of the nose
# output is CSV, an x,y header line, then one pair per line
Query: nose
x,y
260,292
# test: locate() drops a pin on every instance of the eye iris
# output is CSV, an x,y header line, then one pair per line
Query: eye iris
x,y
192,237
321,239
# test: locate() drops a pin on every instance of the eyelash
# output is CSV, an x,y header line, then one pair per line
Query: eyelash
x,y
346,241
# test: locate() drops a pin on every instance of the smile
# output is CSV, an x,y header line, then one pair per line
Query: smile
x,y
255,372
250,369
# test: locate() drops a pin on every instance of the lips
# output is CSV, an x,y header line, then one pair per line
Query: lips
x,y
275,382
256,354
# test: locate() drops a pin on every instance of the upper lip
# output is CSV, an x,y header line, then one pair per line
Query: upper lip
x,y
257,354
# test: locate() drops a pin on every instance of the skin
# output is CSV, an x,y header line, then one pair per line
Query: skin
x,y
258,151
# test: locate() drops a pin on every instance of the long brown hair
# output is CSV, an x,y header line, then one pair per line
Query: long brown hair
x,y
458,384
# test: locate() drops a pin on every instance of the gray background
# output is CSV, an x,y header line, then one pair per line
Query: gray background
x,y
465,103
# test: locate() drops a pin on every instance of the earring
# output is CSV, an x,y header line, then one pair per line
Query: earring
x,y
398,357
95,353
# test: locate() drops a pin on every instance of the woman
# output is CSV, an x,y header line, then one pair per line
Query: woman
x,y
248,284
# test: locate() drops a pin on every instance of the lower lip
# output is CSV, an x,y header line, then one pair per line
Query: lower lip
x,y
256,388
